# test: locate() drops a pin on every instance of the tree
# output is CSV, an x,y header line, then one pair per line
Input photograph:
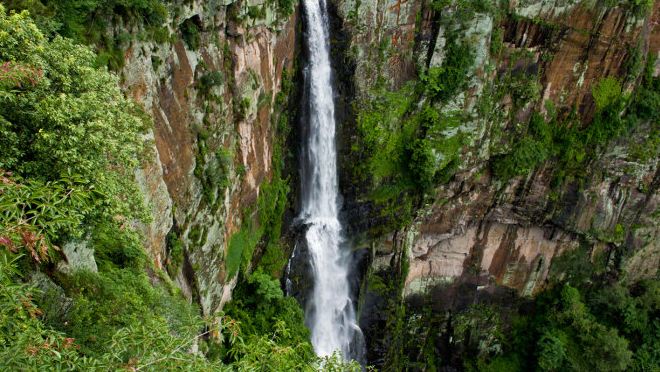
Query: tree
x,y
552,351
70,139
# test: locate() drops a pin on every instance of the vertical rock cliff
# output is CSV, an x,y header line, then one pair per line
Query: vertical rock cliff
x,y
476,230
211,92
510,231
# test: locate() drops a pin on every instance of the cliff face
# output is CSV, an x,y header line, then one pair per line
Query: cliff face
x,y
211,92
477,228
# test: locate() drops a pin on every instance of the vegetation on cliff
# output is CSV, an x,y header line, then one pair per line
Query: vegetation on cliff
x,y
89,22
466,125
408,145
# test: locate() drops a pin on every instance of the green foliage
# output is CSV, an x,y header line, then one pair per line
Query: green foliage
x,y
274,259
24,341
271,205
36,214
601,328
209,81
573,266
261,309
285,7
383,126
128,324
633,64
241,245
573,145
640,8
407,149
119,320
214,173
269,332
117,250
156,62
72,141
439,149
522,88
175,252
646,102
496,42
606,92
552,350
607,350
264,227
444,82
385,132
190,32
478,331
527,154
423,163
109,301
88,21
579,335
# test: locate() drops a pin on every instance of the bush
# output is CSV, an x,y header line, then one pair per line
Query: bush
x,y
496,42
640,8
106,302
190,32
285,7
118,320
606,92
526,156
422,163
241,245
261,309
118,250
444,82
175,252
209,81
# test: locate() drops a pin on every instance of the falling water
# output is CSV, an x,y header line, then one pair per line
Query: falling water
x,y
330,314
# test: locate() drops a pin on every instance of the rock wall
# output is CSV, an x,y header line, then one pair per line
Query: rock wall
x,y
212,98
478,229
211,92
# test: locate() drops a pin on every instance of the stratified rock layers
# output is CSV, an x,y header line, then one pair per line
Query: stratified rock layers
x,y
478,230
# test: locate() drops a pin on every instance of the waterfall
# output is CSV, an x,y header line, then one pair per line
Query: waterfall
x,y
330,312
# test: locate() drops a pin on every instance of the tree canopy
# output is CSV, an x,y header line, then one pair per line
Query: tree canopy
x,y
68,137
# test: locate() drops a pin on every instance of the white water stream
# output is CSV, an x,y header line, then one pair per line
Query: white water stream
x,y
331,314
